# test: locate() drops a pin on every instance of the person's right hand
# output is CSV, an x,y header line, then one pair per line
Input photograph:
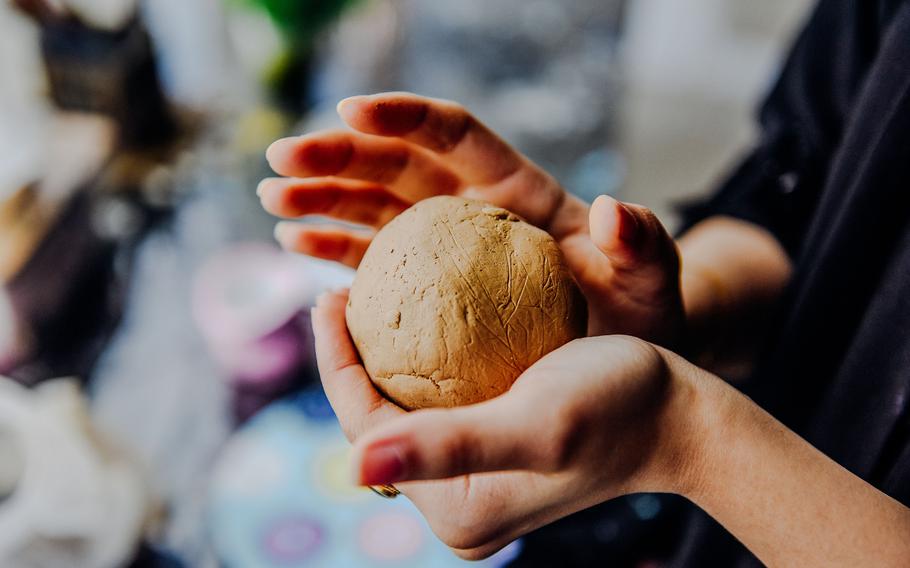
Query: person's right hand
x,y
404,148
597,418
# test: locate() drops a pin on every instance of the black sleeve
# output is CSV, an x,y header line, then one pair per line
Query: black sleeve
x,y
778,185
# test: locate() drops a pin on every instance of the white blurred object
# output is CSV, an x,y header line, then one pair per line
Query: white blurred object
x,y
22,163
542,73
197,61
21,72
24,110
254,40
67,499
693,74
725,49
103,14
11,341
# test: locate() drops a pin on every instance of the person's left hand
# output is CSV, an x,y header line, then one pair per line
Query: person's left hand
x,y
403,148
595,419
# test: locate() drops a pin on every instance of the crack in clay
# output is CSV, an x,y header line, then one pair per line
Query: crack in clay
x,y
413,376
435,382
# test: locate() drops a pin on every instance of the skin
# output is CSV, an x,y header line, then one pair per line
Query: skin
x,y
602,416
599,418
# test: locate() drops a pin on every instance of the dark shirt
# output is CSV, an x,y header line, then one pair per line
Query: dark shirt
x,y
830,178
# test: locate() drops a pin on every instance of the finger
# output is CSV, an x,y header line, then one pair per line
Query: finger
x,y
358,405
445,443
513,504
476,516
348,200
493,170
632,238
444,127
329,242
404,168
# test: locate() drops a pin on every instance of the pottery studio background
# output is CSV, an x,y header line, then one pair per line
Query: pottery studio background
x,y
161,406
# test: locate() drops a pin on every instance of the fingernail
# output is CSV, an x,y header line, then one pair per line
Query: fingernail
x,y
277,150
321,299
345,102
282,231
382,464
260,186
629,228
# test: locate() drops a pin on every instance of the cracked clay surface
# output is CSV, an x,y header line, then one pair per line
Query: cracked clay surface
x,y
455,298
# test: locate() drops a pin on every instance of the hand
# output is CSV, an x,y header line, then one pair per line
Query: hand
x,y
405,148
597,418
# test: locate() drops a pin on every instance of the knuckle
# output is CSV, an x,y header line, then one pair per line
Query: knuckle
x,y
466,531
473,554
462,453
454,108
349,429
355,421
454,127
555,440
564,441
639,349
473,525
371,413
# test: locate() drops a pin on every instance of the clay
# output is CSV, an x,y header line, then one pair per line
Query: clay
x,y
455,298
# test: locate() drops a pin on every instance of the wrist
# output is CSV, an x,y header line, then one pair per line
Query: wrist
x,y
695,422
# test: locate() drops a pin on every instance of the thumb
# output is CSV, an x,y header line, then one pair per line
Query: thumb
x,y
632,238
444,443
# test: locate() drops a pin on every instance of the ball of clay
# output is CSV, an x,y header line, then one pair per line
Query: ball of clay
x,y
455,298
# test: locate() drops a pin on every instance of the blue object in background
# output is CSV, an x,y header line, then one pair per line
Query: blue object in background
x,y
281,496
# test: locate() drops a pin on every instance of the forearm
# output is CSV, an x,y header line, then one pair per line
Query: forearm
x,y
732,273
786,501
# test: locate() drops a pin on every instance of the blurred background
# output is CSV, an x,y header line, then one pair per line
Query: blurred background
x,y
161,406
